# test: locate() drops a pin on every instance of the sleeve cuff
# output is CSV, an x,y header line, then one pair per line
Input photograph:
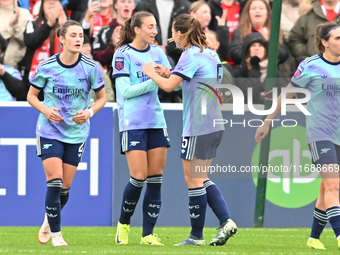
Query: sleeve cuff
x,y
182,76
36,86
120,75
294,84
85,25
100,88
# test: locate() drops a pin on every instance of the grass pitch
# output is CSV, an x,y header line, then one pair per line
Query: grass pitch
x,y
100,240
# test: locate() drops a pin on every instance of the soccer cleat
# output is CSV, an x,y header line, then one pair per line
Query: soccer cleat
x,y
122,235
224,233
151,240
191,242
58,240
44,232
316,244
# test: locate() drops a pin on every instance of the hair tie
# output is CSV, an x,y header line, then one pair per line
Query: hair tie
x,y
330,31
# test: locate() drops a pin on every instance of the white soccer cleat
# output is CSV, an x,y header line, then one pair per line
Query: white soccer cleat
x,y
58,240
44,232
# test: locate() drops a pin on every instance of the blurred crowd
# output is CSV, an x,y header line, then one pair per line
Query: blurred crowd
x,y
238,30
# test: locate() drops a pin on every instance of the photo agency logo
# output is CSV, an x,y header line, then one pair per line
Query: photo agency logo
x,y
238,105
204,96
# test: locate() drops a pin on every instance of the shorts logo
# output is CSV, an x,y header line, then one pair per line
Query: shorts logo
x,y
46,146
298,72
324,150
134,143
183,151
119,63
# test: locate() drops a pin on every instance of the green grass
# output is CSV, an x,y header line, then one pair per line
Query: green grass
x,y
100,240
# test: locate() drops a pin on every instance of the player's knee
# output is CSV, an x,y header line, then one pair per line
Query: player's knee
x,y
332,186
193,182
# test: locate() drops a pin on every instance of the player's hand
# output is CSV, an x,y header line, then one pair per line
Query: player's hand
x,y
148,69
82,117
261,133
51,114
162,71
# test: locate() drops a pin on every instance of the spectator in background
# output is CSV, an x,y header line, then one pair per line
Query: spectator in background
x,y
253,70
256,17
30,4
40,37
97,16
225,94
107,38
200,10
232,9
10,78
289,15
77,8
165,11
301,38
86,50
13,20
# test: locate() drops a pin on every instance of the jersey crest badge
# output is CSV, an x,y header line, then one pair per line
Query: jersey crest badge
x,y
298,72
119,63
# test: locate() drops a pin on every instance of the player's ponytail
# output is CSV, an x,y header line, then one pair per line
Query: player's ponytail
x,y
191,33
128,31
322,32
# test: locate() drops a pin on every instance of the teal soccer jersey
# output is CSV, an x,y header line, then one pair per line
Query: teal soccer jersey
x,y
143,111
200,71
322,79
67,88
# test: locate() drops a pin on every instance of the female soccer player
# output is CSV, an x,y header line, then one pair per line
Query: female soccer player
x,y
199,68
319,74
63,127
143,134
